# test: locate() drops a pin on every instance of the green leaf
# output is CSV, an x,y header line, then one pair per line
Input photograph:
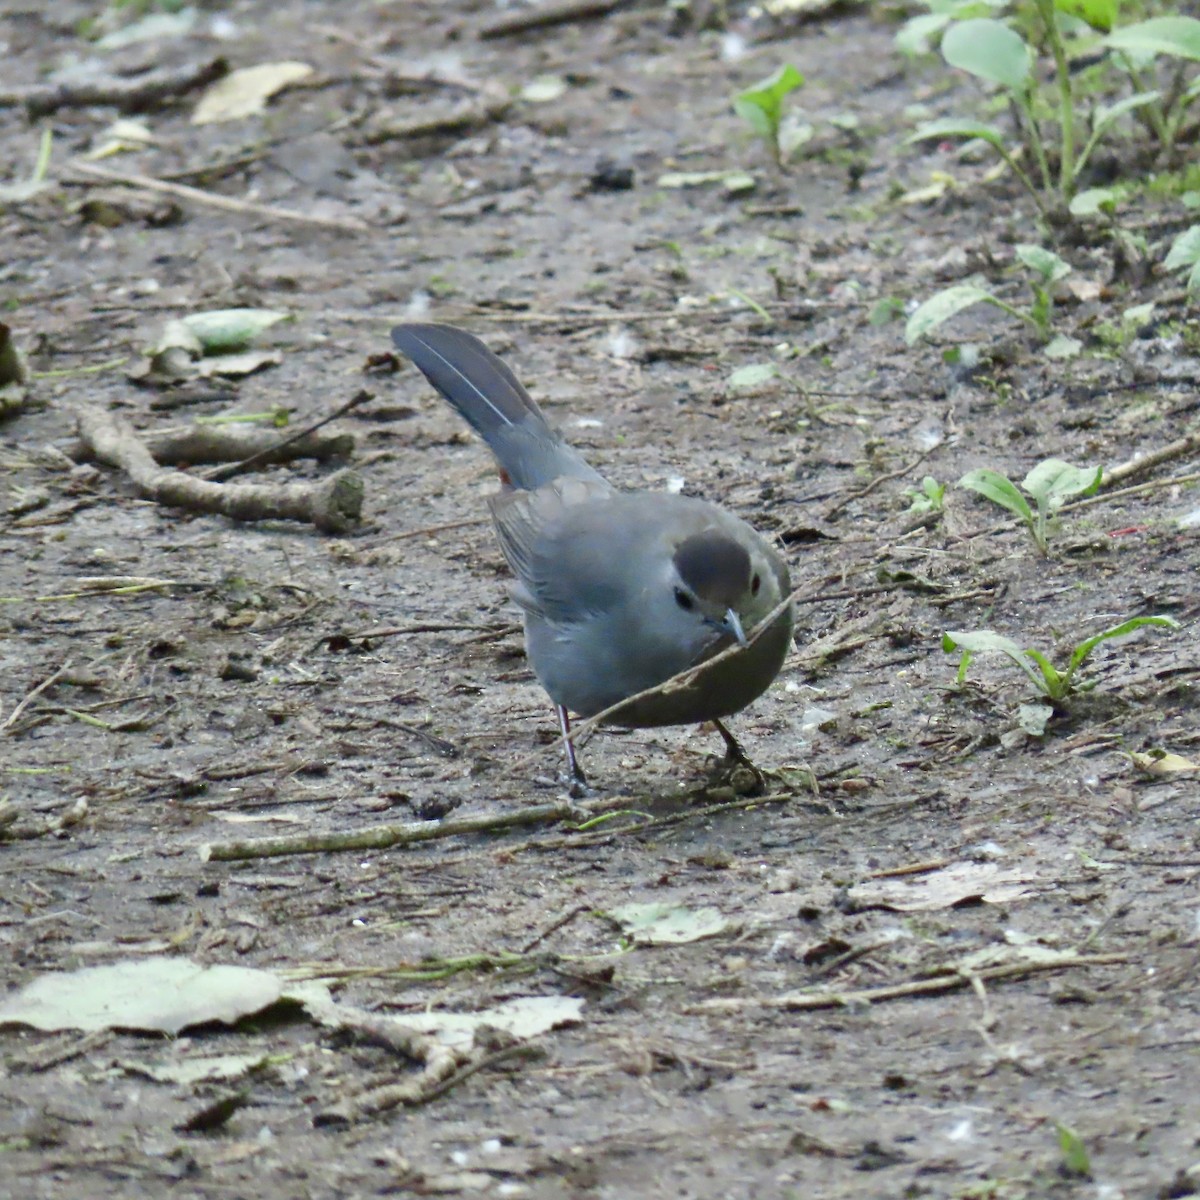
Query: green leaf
x,y
230,328
1117,631
943,305
1185,250
888,308
999,489
1054,685
750,378
1062,346
1053,481
1045,262
1074,1152
1193,281
1099,14
984,641
761,106
915,34
1176,36
1109,113
990,50
757,118
1092,202
955,127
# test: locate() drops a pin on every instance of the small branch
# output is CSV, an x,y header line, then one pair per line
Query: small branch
x,y
460,119
214,200
1182,448
129,95
444,527
12,831
936,985
383,837
48,682
238,445
293,446
548,15
333,504
899,473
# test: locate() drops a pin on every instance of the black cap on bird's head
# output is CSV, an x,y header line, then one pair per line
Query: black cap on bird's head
x,y
714,566
716,570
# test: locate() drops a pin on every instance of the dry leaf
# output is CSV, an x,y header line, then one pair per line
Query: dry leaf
x,y
955,884
245,92
1162,762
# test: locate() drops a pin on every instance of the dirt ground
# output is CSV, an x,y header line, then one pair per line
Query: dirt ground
x,y
940,939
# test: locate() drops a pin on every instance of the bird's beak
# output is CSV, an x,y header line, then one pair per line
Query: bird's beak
x,y
731,625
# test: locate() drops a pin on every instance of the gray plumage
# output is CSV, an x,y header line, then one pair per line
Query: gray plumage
x,y
620,590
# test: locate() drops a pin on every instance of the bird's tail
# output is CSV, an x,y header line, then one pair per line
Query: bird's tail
x,y
493,402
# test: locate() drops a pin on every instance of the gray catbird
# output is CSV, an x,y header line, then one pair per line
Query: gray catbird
x,y
620,590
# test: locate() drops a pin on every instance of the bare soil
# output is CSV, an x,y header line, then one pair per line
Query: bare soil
x,y
285,681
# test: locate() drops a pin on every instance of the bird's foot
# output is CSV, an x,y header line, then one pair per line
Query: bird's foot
x,y
577,784
743,776
578,787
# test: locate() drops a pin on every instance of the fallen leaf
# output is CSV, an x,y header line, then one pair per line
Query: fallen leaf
x,y
544,89
523,1018
733,182
228,329
157,995
753,376
663,924
152,25
1084,289
245,92
1163,762
234,366
955,884
207,1068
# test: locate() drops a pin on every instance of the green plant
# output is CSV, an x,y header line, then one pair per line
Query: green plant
x,y
26,189
1184,255
930,498
1046,268
1075,1160
1050,483
1051,683
761,106
992,48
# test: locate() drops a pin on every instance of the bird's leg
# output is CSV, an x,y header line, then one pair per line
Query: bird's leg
x,y
579,783
735,756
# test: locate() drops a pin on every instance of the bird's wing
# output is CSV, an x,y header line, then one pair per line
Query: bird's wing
x,y
569,544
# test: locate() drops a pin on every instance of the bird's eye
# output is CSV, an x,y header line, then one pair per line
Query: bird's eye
x,y
684,600
755,584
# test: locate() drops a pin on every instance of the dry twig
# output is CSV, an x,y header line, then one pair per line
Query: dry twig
x,y
239,445
933,986
1184,447
333,504
271,212
382,837
301,443
48,682
463,118
129,95
513,24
